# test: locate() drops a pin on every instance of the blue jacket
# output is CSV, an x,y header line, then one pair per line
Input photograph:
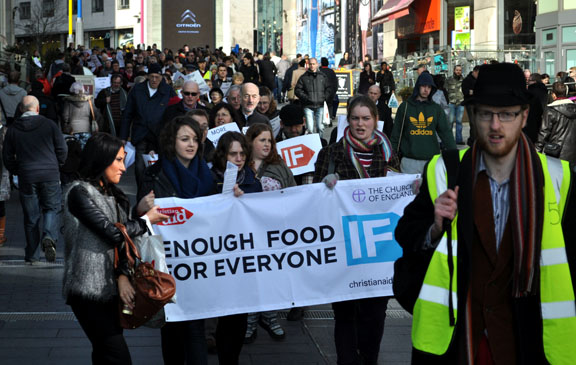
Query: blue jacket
x,y
143,114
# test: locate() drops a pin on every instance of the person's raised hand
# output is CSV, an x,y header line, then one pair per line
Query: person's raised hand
x,y
445,207
155,216
237,191
146,203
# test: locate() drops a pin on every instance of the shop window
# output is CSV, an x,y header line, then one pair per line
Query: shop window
x,y
549,37
123,4
570,58
97,6
48,8
547,6
550,65
569,4
24,9
568,34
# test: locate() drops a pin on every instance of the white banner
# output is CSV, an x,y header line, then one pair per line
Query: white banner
x,y
196,77
299,246
300,153
343,123
214,134
101,83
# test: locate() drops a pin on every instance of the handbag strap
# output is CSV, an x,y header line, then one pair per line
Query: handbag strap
x,y
402,129
91,109
129,247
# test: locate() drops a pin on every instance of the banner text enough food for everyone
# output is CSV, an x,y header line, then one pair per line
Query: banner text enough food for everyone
x,y
299,246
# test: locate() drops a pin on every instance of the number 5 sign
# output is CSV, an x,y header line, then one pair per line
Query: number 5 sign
x,y
300,153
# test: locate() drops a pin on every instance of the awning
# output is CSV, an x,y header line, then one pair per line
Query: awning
x,y
392,9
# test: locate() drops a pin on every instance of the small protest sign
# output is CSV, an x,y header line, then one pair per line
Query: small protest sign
x,y
300,153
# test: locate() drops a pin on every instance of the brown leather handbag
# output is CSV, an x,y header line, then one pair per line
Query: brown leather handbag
x,y
153,288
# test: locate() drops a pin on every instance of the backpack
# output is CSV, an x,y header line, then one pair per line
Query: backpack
x,y
410,269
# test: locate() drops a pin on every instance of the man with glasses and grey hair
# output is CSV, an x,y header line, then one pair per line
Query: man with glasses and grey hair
x,y
234,98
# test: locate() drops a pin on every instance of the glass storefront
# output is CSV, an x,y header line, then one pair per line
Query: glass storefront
x,y
519,20
270,17
99,39
125,38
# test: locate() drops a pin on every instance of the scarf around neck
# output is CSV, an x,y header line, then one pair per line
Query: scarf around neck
x,y
526,215
192,182
352,144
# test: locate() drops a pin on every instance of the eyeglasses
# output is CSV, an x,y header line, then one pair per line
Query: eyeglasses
x,y
486,115
189,93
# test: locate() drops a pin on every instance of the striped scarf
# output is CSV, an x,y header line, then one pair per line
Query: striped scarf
x,y
352,144
526,219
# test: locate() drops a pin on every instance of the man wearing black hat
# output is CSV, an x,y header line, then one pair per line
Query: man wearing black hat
x,y
141,120
499,286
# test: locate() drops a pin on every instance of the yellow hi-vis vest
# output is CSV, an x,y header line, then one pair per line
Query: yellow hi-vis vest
x,y
431,330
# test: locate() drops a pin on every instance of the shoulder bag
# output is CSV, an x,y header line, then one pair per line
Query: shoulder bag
x,y
153,288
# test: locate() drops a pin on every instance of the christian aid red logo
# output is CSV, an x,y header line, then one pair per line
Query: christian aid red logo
x,y
178,215
297,156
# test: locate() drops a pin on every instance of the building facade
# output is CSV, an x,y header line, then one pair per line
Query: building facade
x,y
556,35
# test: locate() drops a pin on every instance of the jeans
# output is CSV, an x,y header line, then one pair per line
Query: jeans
x,y
314,119
40,198
358,330
456,112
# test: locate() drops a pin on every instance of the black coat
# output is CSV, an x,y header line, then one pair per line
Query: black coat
x,y
559,127
468,85
385,115
267,74
142,117
367,79
252,119
386,82
177,110
313,89
332,81
250,74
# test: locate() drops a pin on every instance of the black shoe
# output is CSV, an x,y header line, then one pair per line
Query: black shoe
x,y
295,314
49,249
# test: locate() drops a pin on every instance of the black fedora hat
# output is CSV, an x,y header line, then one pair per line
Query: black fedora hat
x,y
501,84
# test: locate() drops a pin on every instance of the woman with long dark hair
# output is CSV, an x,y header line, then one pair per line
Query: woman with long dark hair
x,y
249,69
92,286
367,79
180,172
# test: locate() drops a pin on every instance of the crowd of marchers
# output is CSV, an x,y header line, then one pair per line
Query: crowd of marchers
x,y
67,149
